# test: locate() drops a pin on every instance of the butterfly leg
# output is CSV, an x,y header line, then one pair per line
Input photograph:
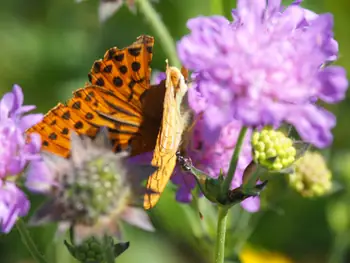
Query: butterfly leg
x,y
185,162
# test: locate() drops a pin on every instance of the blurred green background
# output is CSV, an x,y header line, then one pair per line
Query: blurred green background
x,y
48,47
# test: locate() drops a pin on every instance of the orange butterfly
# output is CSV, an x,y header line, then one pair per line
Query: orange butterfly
x,y
138,115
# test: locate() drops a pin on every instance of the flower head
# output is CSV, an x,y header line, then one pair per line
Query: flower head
x,y
213,157
311,176
93,189
265,68
16,152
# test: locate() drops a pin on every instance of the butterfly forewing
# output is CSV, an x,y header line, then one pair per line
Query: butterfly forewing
x,y
113,99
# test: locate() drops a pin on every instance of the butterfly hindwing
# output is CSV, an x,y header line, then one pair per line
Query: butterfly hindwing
x,y
169,136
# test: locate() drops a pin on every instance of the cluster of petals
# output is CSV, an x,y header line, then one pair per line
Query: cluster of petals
x,y
269,66
16,153
213,157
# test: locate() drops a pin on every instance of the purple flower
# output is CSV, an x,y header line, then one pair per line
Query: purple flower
x,y
92,192
16,152
265,68
212,157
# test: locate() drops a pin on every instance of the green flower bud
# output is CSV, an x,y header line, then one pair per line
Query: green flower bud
x,y
92,249
338,215
312,176
273,149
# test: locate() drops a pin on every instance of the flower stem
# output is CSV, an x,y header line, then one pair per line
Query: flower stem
x,y
234,160
340,246
165,39
108,250
221,235
28,242
216,7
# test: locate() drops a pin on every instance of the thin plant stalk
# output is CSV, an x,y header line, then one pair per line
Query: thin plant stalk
x,y
221,235
234,161
28,242
223,211
217,7
165,39
108,250
340,246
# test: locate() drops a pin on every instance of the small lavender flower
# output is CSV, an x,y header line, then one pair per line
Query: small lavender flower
x,y
213,157
92,190
265,68
16,152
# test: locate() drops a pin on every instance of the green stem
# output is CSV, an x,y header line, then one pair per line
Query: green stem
x,y
165,39
234,160
28,242
217,7
338,251
221,235
244,229
108,250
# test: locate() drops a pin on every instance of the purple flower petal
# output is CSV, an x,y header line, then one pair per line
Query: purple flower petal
x,y
137,217
18,97
24,109
141,158
251,204
13,203
29,121
183,194
6,105
35,143
314,124
39,179
334,83
157,77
